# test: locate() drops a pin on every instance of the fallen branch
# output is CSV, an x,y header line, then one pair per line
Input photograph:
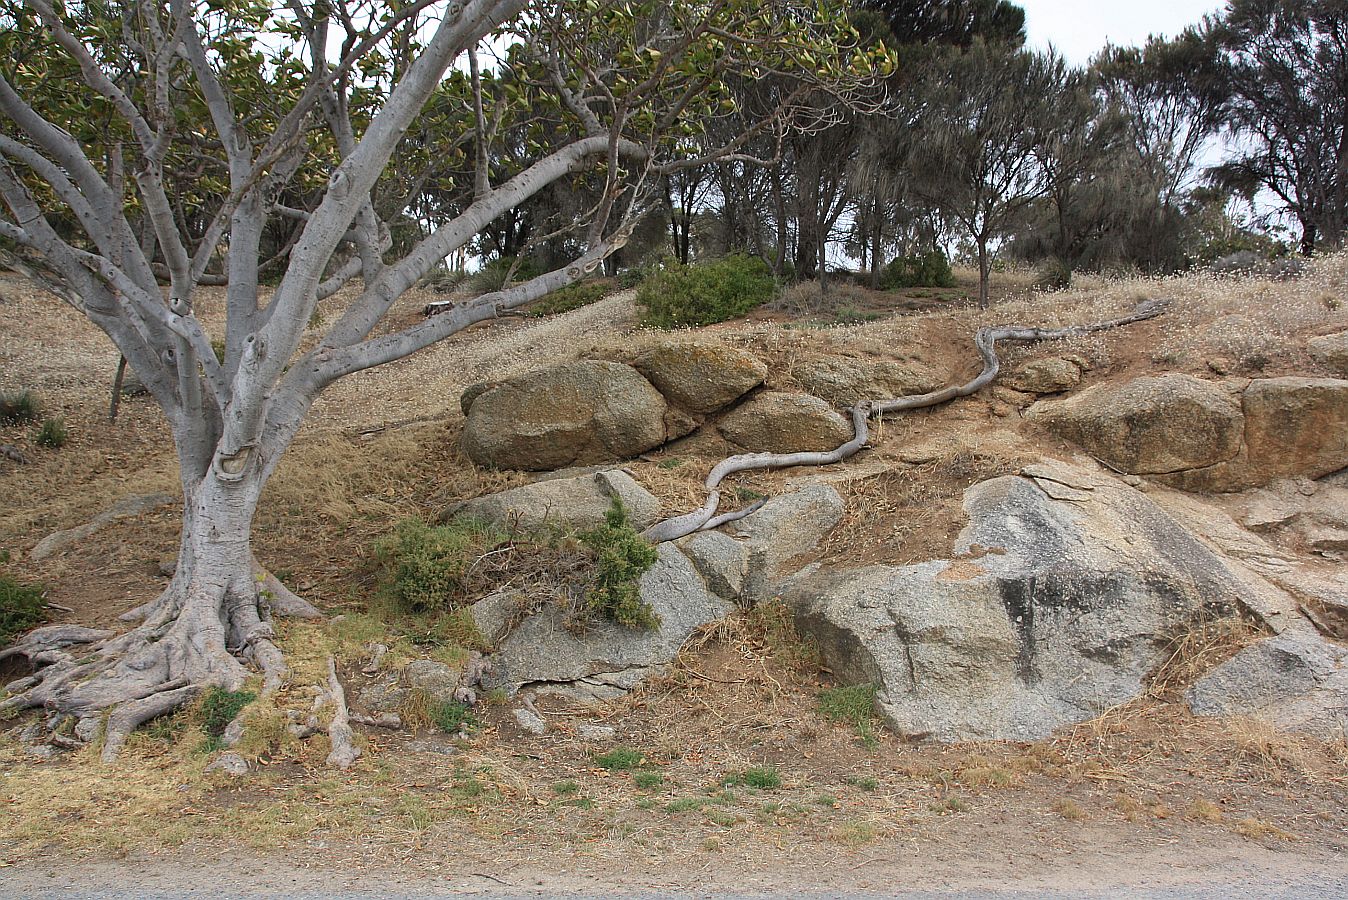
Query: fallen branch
x,y
985,340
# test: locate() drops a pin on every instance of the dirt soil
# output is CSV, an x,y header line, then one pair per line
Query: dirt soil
x,y
1147,788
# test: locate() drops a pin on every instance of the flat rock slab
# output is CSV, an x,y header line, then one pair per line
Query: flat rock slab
x,y
699,374
778,422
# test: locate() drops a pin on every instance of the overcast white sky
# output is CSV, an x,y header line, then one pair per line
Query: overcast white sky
x,y
1079,29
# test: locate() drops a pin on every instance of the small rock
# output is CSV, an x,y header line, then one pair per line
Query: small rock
x,y
168,565
722,561
436,680
1045,376
87,729
40,752
587,732
578,502
785,423
229,763
530,721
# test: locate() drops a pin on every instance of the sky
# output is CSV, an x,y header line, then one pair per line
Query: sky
x,y
1079,29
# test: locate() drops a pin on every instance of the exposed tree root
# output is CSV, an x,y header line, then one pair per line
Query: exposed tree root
x,y
985,340
344,751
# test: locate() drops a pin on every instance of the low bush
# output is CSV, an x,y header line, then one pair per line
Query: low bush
x,y
21,608
622,556
20,408
705,293
1053,274
920,270
571,297
53,433
429,568
451,716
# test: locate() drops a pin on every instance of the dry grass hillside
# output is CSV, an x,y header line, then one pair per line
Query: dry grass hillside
x,y
734,766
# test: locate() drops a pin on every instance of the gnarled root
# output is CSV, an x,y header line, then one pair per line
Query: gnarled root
x,y
985,340
344,751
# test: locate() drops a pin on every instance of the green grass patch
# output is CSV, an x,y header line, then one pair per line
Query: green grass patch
x,y
218,708
648,781
565,788
22,607
451,716
865,782
853,705
763,778
684,804
620,759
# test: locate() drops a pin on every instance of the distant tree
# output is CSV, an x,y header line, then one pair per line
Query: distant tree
x,y
984,116
1284,67
956,22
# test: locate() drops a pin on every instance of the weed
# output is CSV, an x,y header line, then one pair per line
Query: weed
x,y
672,463
1132,810
865,782
648,781
684,804
724,819
622,556
855,834
1256,829
219,707
763,778
826,800
645,803
565,788
705,293
620,759
451,716
1203,811
951,804
20,408
773,625
854,705
1069,809
418,814
53,433
21,607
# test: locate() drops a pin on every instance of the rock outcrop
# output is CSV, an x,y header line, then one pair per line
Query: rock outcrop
x,y
1063,594
701,375
574,414
578,502
1149,426
779,422
1331,351
1045,376
1193,434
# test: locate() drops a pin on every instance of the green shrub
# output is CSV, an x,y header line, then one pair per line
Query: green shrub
x,y
922,270
622,556
648,781
706,293
20,408
1053,274
53,433
21,608
573,296
427,568
451,716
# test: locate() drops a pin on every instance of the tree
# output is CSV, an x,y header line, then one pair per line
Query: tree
x,y
983,116
180,82
955,22
1284,67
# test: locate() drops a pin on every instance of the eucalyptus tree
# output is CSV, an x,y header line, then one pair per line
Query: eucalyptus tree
x,y
1283,65
624,76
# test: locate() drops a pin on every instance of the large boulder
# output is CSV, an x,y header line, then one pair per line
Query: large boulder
x,y
787,529
778,422
574,414
1149,426
604,660
1295,681
1064,592
1330,351
701,375
1295,426
843,381
579,502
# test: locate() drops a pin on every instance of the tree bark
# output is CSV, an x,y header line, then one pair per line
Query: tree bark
x,y
984,272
